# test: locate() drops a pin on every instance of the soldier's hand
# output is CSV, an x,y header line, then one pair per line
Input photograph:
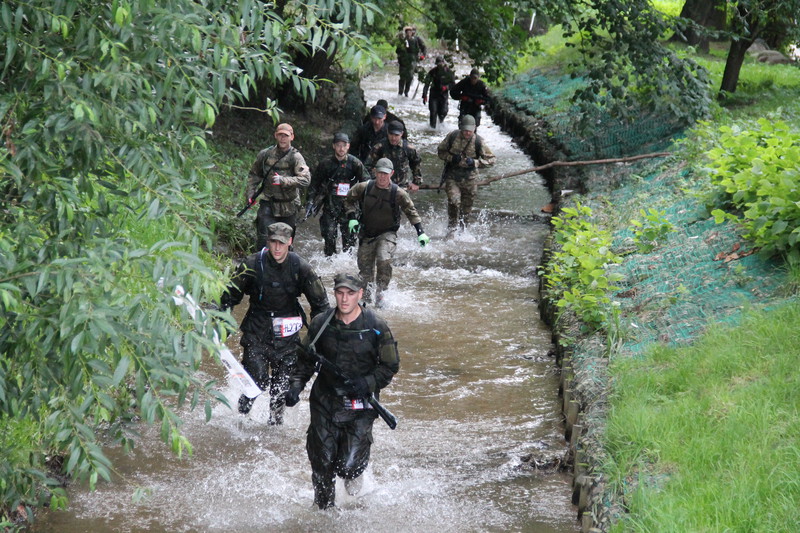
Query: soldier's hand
x,y
469,162
292,396
423,239
424,99
456,159
251,201
352,225
357,387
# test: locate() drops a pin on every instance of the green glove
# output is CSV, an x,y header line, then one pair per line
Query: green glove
x,y
353,226
423,239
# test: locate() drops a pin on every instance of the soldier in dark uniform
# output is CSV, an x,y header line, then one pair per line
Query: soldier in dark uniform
x,y
472,93
439,79
390,117
380,202
410,49
404,157
284,171
367,135
330,184
274,279
463,152
340,433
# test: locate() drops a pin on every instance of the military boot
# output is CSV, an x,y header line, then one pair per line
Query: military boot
x,y
353,486
245,404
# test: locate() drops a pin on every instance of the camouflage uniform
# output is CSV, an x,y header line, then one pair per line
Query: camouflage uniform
x,y
331,182
380,220
340,433
460,181
405,158
471,97
274,288
279,203
365,138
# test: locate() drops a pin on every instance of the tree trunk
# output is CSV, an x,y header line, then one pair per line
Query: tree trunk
x,y
733,65
706,13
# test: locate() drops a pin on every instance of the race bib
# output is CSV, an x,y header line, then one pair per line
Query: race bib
x,y
286,326
342,189
355,404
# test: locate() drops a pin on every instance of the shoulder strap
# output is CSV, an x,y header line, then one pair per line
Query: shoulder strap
x,y
325,323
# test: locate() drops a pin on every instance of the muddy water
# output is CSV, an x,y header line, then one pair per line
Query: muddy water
x,y
475,394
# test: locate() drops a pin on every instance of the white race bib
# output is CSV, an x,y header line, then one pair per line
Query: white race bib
x,y
286,326
342,189
355,404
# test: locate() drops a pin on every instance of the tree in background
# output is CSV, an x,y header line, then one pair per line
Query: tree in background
x,y
103,110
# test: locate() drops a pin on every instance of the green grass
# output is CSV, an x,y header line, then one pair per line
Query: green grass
x,y
705,438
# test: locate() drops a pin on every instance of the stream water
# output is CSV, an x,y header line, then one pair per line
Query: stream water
x,y
476,392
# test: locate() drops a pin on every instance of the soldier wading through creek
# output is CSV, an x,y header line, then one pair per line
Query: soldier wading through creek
x,y
475,395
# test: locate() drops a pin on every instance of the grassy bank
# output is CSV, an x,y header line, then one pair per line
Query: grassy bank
x,y
705,438
688,385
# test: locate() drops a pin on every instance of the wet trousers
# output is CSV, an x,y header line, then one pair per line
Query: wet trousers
x,y
265,218
460,199
330,224
337,446
375,261
270,365
438,108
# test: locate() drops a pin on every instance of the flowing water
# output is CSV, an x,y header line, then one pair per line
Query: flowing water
x,y
476,392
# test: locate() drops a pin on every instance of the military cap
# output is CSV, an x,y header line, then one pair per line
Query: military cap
x,y
474,73
467,122
340,138
384,165
396,127
279,231
284,128
377,111
439,60
350,280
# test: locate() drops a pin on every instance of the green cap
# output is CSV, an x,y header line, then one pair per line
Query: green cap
x,y
384,165
279,231
349,280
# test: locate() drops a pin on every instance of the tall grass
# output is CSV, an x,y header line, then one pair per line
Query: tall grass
x,y
707,438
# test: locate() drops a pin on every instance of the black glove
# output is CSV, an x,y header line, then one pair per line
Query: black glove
x,y
292,396
456,159
357,387
470,162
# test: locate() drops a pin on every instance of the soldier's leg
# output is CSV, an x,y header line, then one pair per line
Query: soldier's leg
x,y
348,238
263,219
365,259
355,442
327,228
453,202
254,361
469,189
444,106
383,264
281,365
322,448
433,107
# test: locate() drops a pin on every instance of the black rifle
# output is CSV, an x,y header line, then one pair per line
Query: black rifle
x,y
261,188
383,412
313,208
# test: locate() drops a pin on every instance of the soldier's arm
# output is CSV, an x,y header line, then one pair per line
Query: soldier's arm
x,y
301,175
407,206
238,286
414,162
388,358
314,291
443,150
306,362
353,198
254,177
360,170
486,157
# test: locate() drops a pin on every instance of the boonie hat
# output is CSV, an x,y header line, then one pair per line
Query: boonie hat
x,y
396,127
467,123
340,138
377,111
284,128
384,165
279,231
346,279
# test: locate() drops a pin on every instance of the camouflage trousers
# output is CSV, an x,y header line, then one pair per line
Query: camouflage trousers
x,y
375,260
460,199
